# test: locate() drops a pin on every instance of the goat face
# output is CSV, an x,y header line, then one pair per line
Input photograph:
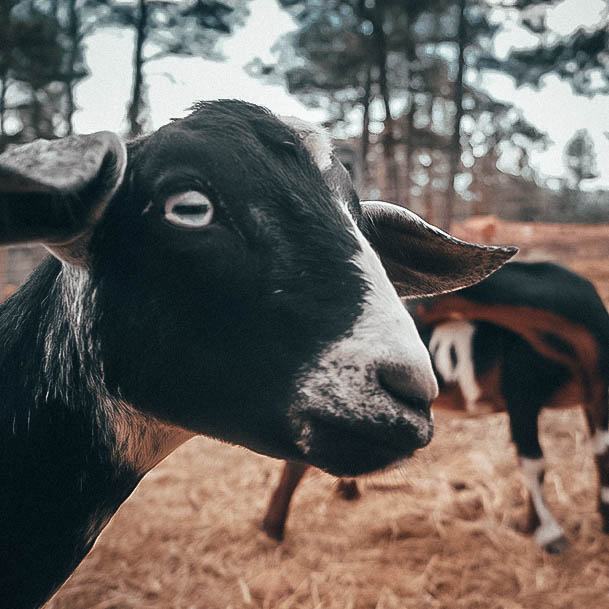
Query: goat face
x,y
223,274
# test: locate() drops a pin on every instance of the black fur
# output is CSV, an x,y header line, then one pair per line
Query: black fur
x,y
264,273
550,287
528,380
209,330
56,472
206,330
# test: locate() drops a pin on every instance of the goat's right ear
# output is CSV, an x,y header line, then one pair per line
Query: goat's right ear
x,y
422,260
55,191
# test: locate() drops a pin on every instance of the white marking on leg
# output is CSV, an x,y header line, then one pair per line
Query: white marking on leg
x,y
457,336
605,494
548,530
600,442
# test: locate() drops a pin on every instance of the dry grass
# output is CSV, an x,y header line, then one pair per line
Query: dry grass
x,y
436,535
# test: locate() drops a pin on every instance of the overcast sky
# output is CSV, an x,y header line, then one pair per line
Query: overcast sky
x,y
175,83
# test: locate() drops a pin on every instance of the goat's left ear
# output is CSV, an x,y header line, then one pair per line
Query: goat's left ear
x,y
55,191
422,260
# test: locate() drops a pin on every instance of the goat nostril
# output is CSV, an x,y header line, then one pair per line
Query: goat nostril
x,y
397,380
419,405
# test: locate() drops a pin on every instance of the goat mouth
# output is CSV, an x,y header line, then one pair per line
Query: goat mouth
x,y
350,447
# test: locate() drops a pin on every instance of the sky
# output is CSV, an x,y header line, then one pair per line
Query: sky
x,y
175,83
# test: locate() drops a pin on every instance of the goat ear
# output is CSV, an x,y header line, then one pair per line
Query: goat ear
x,y
422,260
55,191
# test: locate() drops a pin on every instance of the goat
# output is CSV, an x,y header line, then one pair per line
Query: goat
x,y
531,336
216,277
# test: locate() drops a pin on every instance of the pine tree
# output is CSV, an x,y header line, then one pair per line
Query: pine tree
x,y
414,81
164,27
580,158
579,58
41,62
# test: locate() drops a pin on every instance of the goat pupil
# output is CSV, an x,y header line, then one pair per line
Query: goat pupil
x,y
190,209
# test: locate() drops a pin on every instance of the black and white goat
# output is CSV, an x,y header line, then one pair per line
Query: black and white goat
x,y
217,277
531,336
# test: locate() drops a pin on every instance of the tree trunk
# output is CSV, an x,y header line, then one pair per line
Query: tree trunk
x,y
3,87
37,127
455,152
410,149
428,209
6,44
365,141
136,105
388,134
411,56
73,31
409,141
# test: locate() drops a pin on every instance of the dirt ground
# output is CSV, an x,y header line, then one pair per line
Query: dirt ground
x,y
435,535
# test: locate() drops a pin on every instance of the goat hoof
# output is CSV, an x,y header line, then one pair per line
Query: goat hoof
x,y
556,546
348,490
273,530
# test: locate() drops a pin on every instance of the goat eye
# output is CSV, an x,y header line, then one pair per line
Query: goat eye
x,y
190,209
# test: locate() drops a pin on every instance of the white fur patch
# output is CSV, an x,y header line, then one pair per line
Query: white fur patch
x,y
604,494
134,439
600,442
345,381
316,140
458,337
548,530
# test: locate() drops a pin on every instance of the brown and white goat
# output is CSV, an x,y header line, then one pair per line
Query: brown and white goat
x,y
532,336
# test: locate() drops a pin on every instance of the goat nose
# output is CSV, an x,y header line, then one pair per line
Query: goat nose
x,y
415,389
